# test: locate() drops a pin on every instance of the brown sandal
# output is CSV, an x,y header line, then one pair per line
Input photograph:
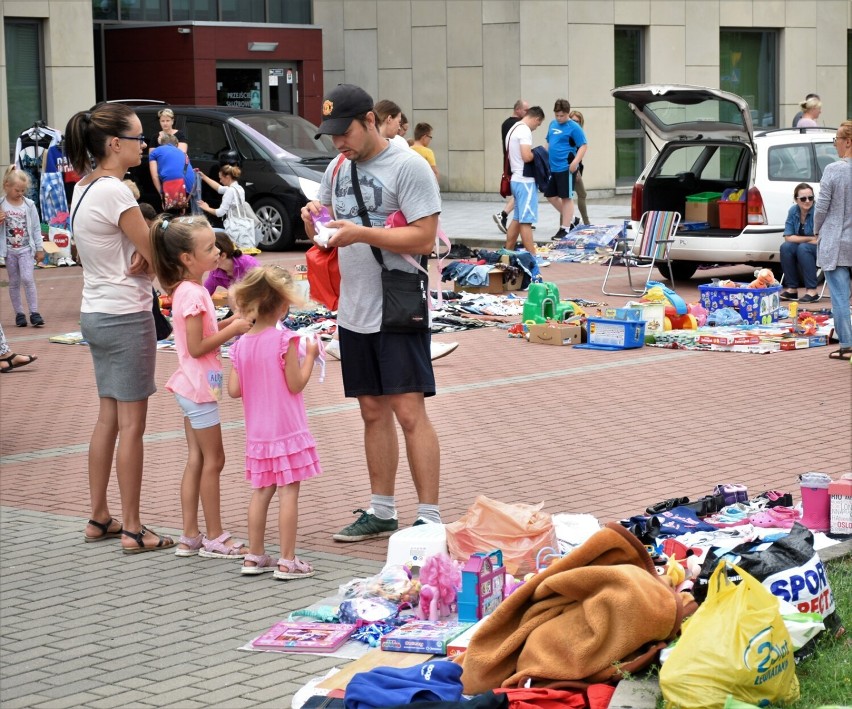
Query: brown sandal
x,y
162,541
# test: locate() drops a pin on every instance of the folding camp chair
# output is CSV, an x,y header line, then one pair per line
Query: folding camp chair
x,y
652,244
820,277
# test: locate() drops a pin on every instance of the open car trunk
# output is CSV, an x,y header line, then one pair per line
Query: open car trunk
x,y
687,169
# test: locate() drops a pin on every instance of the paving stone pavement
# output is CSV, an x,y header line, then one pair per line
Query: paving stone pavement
x,y
605,433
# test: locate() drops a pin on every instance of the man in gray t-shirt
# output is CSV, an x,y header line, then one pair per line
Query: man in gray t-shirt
x,y
389,373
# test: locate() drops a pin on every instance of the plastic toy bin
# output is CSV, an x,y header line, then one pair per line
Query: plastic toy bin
x,y
732,215
617,334
755,305
702,207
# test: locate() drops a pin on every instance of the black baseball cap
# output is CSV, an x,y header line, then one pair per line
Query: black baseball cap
x,y
343,103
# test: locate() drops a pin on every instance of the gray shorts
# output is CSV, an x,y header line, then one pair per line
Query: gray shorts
x,y
124,351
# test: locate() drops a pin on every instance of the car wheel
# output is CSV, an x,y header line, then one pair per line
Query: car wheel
x,y
680,271
276,225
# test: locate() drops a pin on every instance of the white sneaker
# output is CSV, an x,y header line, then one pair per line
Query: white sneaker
x,y
332,348
442,349
2,262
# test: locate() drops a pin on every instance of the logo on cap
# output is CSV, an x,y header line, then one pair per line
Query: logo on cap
x,y
327,107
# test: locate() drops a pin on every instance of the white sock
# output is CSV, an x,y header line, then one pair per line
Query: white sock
x,y
384,506
431,513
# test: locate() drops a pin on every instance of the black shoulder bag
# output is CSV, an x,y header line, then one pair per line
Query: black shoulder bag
x,y
405,295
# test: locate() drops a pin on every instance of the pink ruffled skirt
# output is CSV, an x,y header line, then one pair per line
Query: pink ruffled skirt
x,y
283,461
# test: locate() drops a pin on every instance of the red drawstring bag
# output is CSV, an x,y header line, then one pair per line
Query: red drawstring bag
x,y
323,269
323,276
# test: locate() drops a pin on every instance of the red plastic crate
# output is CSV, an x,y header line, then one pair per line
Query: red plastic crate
x,y
732,215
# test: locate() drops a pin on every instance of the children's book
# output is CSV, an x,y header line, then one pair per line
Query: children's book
x,y
305,637
429,636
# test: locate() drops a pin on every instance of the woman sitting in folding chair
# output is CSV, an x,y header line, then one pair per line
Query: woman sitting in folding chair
x,y
799,250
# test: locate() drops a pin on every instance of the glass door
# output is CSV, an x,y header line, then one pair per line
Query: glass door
x,y
271,86
282,81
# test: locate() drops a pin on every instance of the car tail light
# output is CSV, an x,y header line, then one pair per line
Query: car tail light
x,y
636,202
756,213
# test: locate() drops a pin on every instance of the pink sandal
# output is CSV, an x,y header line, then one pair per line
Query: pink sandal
x,y
294,568
262,563
217,549
780,517
194,545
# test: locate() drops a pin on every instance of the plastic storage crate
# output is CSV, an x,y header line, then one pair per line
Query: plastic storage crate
x,y
732,215
755,305
605,334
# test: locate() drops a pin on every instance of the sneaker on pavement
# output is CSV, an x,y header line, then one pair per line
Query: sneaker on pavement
x,y
500,221
575,223
367,526
559,235
332,348
442,349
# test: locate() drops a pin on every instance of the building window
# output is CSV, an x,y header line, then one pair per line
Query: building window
x,y
104,10
748,67
629,140
292,12
199,10
243,10
144,10
24,75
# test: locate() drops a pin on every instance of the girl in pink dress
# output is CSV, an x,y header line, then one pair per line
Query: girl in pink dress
x,y
270,369
184,249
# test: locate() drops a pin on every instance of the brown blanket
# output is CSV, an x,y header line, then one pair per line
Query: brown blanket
x,y
586,617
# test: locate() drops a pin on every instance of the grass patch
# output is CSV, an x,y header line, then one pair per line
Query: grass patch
x,y
826,676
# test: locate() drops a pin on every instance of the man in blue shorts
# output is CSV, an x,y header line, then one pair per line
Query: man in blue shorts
x,y
389,373
566,145
519,147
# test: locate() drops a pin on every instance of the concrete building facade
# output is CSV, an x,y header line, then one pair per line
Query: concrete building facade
x,y
461,64
62,31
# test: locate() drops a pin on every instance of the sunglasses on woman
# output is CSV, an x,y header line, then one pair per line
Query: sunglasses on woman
x,y
808,198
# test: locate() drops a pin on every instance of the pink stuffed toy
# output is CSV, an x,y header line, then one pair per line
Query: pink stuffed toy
x,y
440,581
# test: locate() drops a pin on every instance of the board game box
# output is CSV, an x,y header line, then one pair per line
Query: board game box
x,y
429,636
305,637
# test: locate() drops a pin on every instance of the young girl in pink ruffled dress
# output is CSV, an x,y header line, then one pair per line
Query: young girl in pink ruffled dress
x,y
270,369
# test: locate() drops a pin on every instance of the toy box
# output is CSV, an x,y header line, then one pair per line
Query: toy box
x,y
732,215
654,315
554,333
755,305
703,207
458,645
483,578
429,636
615,334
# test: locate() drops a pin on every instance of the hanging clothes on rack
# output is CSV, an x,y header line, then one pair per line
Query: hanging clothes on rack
x,y
56,161
30,149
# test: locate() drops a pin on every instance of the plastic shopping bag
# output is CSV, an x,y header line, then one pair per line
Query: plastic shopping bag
x,y
735,644
518,530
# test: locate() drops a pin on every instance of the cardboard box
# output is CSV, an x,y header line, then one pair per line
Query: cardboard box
x,y
494,285
426,636
220,298
554,333
728,339
785,344
511,282
458,645
702,212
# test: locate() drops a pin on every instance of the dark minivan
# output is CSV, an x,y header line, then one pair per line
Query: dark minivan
x,y
281,161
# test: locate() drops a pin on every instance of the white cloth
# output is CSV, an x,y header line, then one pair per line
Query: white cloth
x,y
106,251
401,142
